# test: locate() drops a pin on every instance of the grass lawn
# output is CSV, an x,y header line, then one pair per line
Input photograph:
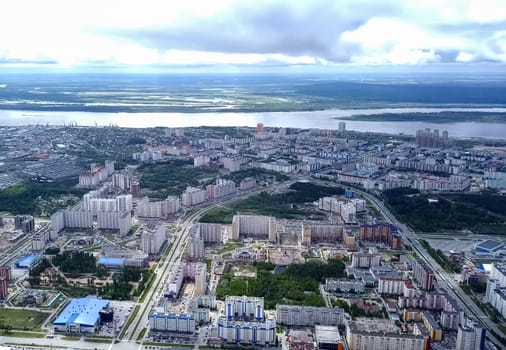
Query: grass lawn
x,y
66,337
25,320
142,334
21,334
230,246
98,340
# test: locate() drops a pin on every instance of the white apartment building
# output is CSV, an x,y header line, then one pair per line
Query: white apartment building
x,y
121,180
365,260
470,337
175,282
196,246
78,219
244,308
396,286
153,240
330,204
157,209
115,220
197,271
171,323
193,196
344,285
348,213
435,183
210,233
279,167
247,184
57,223
40,239
496,288
232,164
261,333
201,159
194,270
124,202
222,188
254,225
328,233
294,315
495,179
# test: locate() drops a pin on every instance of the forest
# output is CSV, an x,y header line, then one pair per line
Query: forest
x,y
298,284
450,212
280,205
165,178
22,197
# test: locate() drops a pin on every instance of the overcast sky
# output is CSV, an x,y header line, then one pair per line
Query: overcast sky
x,y
305,33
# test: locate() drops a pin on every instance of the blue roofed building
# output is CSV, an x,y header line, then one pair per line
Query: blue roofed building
x,y
82,315
27,261
488,246
112,263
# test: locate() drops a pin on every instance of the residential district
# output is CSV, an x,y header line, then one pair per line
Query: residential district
x,y
115,238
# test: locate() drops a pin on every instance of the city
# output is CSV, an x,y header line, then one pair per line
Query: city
x,y
233,237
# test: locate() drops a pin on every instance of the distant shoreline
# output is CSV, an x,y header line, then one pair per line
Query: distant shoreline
x,y
442,117
458,127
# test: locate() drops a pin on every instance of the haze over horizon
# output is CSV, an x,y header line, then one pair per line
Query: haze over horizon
x,y
261,36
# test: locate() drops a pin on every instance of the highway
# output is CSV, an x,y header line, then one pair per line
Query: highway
x,y
442,276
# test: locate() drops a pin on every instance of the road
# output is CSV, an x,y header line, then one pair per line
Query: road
x,y
174,254
443,277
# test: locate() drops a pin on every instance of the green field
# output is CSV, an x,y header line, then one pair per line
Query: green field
x,y
25,320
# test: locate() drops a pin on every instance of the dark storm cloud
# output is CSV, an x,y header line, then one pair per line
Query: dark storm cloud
x,y
309,28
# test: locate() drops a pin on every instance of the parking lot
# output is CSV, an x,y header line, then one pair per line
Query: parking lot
x,y
122,310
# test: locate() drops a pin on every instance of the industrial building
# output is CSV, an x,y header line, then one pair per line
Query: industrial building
x,y
489,247
27,262
112,263
254,226
328,338
82,315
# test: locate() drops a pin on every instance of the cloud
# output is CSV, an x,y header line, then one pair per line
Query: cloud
x,y
261,32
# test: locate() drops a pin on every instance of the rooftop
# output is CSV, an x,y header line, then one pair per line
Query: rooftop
x,y
489,244
83,311
327,334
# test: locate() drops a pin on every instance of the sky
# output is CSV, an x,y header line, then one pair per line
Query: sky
x,y
293,34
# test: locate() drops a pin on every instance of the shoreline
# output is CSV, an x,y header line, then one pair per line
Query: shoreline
x,y
323,119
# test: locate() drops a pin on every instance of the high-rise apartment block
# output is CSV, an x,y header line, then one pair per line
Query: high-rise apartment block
x,y
254,226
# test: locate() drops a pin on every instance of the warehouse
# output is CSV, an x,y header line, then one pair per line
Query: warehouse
x,y
488,246
81,316
27,262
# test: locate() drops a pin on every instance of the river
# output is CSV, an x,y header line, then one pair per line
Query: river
x,y
325,119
